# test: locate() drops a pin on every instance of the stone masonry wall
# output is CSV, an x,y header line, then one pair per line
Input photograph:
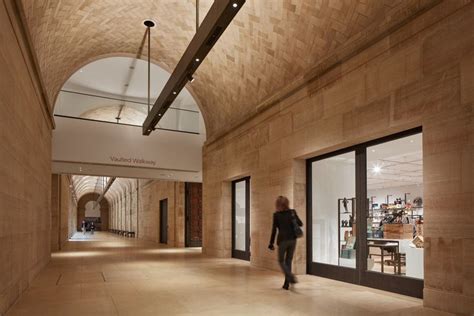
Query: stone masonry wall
x,y
140,205
25,166
422,74
63,211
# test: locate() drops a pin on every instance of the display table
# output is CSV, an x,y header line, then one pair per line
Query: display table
x,y
414,256
391,247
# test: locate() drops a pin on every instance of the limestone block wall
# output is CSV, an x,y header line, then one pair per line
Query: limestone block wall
x,y
123,213
68,207
55,218
421,74
149,219
63,211
137,209
25,165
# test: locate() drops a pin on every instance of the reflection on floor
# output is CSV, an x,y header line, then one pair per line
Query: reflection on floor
x,y
103,274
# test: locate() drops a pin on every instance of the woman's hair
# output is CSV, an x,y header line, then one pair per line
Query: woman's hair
x,y
282,203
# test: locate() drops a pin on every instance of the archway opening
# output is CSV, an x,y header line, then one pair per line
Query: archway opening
x,y
115,90
92,214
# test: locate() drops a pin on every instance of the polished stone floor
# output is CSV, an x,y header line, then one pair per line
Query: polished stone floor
x,y
103,274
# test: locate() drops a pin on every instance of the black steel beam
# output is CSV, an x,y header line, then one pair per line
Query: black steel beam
x,y
107,187
214,24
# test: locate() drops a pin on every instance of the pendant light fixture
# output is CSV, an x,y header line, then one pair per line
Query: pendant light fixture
x,y
218,18
149,25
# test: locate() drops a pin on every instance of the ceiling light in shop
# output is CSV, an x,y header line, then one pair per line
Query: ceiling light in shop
x,y
377,169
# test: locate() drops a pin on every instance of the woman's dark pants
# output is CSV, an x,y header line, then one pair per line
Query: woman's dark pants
x,y
286,249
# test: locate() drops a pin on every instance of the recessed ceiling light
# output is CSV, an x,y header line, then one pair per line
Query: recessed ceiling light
x,y
159,114
235,5
174,92
197,59
377,169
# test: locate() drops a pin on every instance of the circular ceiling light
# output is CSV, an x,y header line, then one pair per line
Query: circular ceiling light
x,y
149,23
377,169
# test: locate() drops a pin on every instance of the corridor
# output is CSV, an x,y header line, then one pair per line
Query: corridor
x,y
103,274
156,156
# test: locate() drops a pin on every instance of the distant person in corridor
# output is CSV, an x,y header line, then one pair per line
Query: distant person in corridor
x,y
288,223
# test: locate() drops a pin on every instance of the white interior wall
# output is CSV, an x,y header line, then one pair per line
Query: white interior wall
x,y
80,147
332,179
380,195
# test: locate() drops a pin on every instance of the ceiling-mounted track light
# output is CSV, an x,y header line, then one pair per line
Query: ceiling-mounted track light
x,y
214,24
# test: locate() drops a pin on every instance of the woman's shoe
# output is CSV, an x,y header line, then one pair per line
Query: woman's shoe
x,y
293,279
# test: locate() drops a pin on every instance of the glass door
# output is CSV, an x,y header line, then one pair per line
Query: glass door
x,y
241,219
365,214
394,217
333,216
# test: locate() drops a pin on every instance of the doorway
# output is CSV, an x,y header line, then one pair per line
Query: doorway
x,y
193,218
241,219
365,214
164,221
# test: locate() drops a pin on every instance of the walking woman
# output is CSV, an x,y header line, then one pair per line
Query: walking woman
x,y
289,228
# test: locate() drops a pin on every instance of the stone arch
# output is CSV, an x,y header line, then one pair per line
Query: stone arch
x,y
162,65
104,210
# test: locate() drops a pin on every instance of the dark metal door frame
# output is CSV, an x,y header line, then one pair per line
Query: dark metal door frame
x,y
359,275
239,254
164,221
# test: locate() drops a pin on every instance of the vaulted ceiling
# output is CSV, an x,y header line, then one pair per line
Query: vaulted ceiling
x,y
83,185
269,45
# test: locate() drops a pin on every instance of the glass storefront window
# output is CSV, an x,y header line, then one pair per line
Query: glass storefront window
x,y
333,210
395,207
241,219
365,214
240,214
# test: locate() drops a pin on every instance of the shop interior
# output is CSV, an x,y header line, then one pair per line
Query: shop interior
x,y
395,215
395,208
